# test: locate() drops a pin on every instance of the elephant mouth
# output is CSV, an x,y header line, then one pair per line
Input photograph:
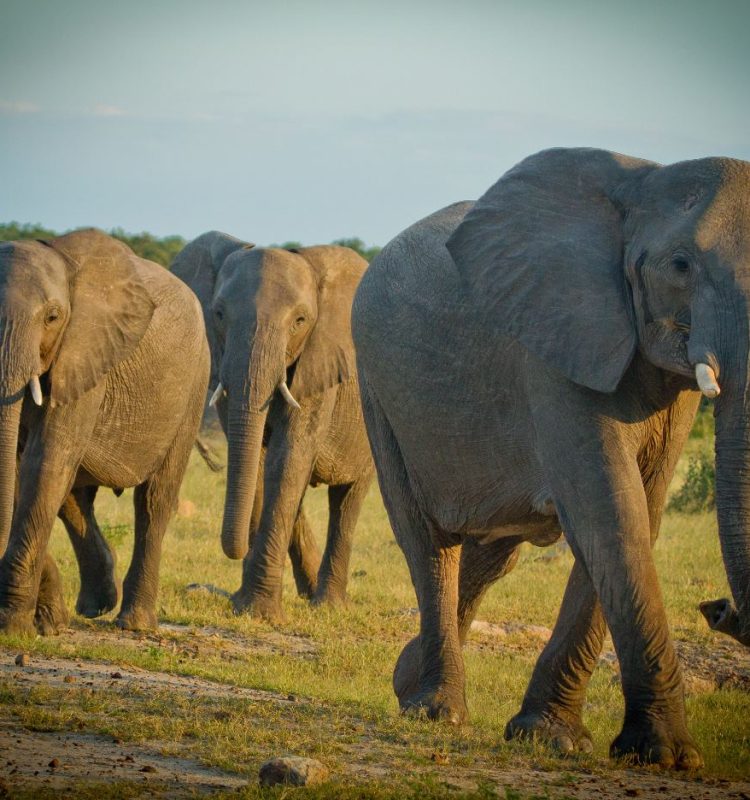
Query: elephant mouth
x,y
666,341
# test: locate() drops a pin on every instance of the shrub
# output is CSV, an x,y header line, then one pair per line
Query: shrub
x,y
698,493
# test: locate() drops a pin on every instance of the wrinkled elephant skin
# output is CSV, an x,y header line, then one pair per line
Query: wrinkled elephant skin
x,y
103,368
530,363
285,387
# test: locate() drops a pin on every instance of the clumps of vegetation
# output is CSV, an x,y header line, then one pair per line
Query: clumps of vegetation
x,y
698,493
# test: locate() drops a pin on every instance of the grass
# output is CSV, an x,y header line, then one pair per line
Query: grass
x,y
345,711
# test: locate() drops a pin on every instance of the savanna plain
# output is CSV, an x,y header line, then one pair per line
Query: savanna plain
x,y
197,706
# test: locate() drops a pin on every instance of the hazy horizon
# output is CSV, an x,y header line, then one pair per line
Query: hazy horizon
x,y
316,121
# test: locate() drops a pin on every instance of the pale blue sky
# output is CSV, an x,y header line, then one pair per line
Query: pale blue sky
x,y
317,120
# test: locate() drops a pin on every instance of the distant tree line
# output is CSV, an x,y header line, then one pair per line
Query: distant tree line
x,y
354,242
146,245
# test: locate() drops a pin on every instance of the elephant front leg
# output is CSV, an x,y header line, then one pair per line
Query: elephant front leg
x,y
96,560
604,510
345,504
27,573
289,460
481,565
51,616
553,704
303,551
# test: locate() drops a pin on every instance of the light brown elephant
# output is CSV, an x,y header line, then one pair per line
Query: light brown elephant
x,y
104,365
285,387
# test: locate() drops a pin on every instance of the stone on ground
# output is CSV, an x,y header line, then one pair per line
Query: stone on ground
x,y
292,770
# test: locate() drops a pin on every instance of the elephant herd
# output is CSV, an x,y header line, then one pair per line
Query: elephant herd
x,y
512,369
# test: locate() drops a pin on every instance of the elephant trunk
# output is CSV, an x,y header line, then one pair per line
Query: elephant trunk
x,y
250,390
732,412
733,508
10,418
19,366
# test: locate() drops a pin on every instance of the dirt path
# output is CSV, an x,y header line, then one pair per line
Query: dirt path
x,y
63,760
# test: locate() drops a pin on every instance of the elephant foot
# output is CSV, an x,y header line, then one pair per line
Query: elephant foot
x,y
566,735
407,671
51,617
443,704
258,605
137,619
93,601
20,623
330,596
657,741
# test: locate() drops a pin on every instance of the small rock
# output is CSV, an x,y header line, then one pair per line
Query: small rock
x,y
632,792
116,676
54,764
148,768
69,679
292,770
440,758
23,660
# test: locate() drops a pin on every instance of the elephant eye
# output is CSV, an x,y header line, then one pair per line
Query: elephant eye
x,y
641,260
52,316
219,314
681,265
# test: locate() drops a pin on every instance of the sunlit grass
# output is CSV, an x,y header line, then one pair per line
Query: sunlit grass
x,y
343,679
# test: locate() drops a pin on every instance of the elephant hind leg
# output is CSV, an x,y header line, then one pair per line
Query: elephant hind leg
x,y
305,557
481,565
99,592
155,502
433,561
553,703
344,503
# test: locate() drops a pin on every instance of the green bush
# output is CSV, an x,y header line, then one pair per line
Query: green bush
x,y
698,493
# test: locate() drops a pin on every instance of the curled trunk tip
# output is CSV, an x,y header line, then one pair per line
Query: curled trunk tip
x,y
722,616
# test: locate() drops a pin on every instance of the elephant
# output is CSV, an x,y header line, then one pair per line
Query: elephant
x,y
531,364
286,392
104,365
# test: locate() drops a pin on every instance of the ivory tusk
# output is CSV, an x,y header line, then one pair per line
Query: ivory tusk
x,y
706,378
218,391
36,389
287,395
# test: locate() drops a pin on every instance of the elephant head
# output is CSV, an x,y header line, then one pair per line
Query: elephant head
x,y
71,309
277,320
584,256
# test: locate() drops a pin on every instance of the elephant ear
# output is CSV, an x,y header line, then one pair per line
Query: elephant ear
x,y
198,265
110,310
327,357
541,254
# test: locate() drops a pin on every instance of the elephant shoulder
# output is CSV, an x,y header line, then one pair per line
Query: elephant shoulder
x,y
169,293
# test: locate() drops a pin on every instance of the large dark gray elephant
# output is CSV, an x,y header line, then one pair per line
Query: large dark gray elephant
x,y
286,392
103,370
528,364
